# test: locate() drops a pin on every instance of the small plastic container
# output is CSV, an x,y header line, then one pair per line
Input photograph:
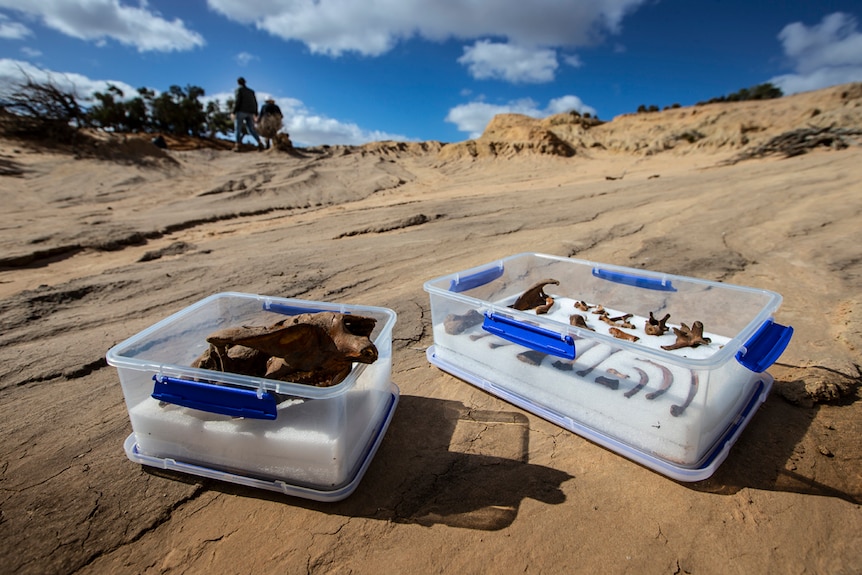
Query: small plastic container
x,y
313,442
676,411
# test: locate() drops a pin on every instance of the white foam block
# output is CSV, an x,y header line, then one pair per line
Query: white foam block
x,y
313,442
644,418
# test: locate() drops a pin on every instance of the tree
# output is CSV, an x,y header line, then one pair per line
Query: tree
x,y
42,110
179,111
218,121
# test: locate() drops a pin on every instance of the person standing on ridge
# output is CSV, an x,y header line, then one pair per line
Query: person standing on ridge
x,y
269,121
245,113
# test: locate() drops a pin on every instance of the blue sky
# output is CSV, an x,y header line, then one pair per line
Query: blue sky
x,y
353,71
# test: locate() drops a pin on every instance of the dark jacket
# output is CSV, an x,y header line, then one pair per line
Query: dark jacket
x,y
245,100
270,109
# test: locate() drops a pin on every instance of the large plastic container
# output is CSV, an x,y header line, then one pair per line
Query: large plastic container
x,y
675,411
303,440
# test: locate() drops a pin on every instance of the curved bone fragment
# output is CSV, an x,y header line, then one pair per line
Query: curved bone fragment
x,y
620,334
677,410
655,326
666,380
688,337
535,296
583,306
455,324
644,378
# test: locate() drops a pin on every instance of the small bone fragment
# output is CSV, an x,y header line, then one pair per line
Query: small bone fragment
x,y
641,383
655,326
563,365
583,306
535,296
618,373
532,357
688,337
608,382
455,324
478,336
599,310
620,334
578,320
677,410
549,302
666,380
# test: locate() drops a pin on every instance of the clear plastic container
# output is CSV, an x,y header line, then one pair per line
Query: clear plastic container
x,y
676,411
317,440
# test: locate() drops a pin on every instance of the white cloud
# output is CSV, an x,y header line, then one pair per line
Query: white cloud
x,y
510,62
373,27
13,30
30,52
474,116
823,55
14,72
243,58
100,20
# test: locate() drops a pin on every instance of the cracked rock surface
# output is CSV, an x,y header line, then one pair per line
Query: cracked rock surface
x,y
463,482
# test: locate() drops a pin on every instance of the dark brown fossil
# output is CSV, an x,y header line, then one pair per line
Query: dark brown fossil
x,y
313,348
677,410
655,326
688,337
578,320
666,380
455,324
644,379
536,298
620,334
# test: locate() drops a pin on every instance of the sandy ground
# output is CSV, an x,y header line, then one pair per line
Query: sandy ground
x,y
94,250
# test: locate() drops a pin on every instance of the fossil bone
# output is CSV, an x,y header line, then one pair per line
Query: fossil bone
x,y
620,334
536,298
655,326
583,306
688,337
532,357
641,382
677,410
459,323
608,382
313,348
578,320
666,380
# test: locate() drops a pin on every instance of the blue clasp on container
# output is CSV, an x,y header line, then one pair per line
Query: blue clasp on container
x,y
765,346
221,399
529,335
479,278
634,280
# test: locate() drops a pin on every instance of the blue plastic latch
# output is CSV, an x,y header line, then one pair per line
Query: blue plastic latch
x,y
529,335
221,399
475,279
291,309
765,346
634,280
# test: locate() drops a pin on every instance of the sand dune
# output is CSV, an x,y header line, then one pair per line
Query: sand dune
x,y
96,247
